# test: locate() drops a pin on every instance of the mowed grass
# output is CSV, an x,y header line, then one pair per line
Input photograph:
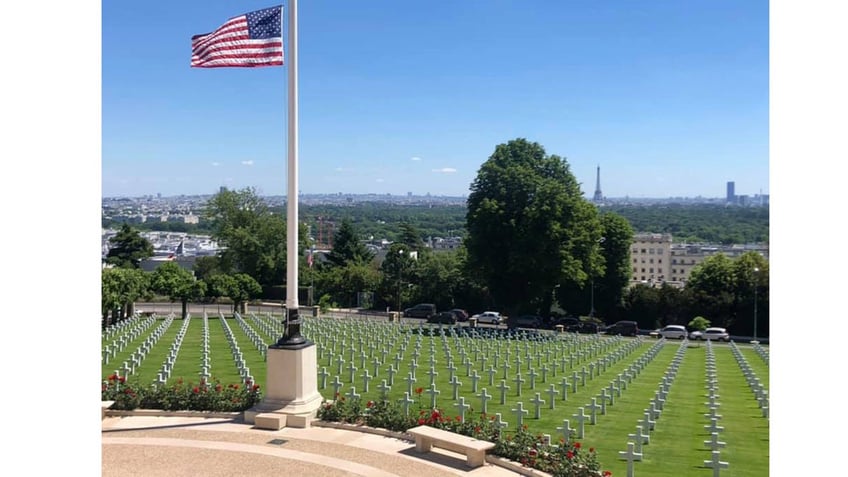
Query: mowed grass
x,y
676,446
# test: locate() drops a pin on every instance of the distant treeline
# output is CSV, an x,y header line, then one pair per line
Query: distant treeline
x,y
687,223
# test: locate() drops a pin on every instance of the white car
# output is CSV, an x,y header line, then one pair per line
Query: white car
x,y
719,334
673,332
491,317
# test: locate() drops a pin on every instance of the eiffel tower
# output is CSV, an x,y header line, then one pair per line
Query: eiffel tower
x,y
599,196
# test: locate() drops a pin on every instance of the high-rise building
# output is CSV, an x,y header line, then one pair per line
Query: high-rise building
x,y
731,192
599,196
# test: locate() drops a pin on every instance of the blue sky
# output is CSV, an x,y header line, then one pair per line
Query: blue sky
x,y
668,98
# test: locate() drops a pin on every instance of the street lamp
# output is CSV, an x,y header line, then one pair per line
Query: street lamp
x,y
756,283
400,272
592,292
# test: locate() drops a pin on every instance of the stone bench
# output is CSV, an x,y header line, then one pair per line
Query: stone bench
x,y
104,405
475,450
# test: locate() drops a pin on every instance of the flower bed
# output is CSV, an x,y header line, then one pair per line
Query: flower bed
x,y
203,396
560,460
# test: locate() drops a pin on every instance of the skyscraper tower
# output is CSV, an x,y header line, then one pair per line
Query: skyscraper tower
x,y
731,192
599,196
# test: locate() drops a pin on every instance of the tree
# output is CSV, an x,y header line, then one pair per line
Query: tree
x,y
399,276
529,228
699,323
410,237
244,289
712,289
206,267
253,239
120,288
178,284
348,247
615,248
343,283
128,248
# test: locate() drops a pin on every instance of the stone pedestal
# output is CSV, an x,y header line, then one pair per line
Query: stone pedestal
x,y
291,388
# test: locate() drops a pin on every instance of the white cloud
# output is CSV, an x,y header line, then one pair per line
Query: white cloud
x,y
379,180
247,163
445,170
216,164
415,158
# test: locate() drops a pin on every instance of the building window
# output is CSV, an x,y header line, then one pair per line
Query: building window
x,y
651,251
674,261
652,260
659,251
659,260
643,250
651,270
635,260
643,271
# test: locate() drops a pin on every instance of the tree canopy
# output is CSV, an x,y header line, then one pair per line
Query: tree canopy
x,y
529,228
128,248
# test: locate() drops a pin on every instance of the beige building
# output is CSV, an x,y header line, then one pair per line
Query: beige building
x,y
650,256
656,260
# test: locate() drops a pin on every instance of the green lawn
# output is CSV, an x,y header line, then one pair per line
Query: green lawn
x,y
676,446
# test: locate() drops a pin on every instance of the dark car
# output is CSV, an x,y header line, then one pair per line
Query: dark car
x,y
525,321
421,310
587,327
445,317
623,328
461,315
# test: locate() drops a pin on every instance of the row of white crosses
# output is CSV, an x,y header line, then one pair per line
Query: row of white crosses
x,y
656,405
762,352
132,363
168,365
121,327
252,335
712,404
124,333
760,392
270,326
238,358
205,365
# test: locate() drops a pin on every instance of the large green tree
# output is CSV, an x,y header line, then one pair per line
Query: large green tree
x,y
348,247
128,248
615,248
253,239
178,284
529,228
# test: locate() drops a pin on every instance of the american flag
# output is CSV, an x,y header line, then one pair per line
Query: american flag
x,y
249,40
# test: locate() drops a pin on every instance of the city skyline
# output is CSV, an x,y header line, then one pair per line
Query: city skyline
x,y
398,98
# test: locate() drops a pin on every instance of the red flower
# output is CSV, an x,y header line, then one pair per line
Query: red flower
x,y
195,390
248,382
576,445
369,404
607,473
569,455
218,388
235,386
458,419
477,429
122,379
532,453
421,421
591,449
419,390
255,388
113,377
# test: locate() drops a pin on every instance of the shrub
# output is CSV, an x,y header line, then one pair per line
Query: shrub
x,y
181,396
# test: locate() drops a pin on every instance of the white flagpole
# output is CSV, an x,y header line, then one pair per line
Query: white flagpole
x,y
292,335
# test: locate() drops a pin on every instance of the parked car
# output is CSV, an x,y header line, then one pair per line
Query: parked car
x,y
445,317
719,334
623,328
677,332
421,310
461,315
525,321
491,317
587,327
